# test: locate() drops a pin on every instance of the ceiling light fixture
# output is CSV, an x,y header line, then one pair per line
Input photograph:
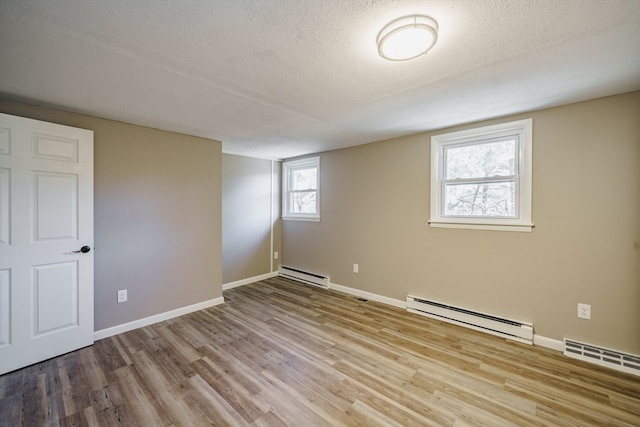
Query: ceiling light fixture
x,y
407,37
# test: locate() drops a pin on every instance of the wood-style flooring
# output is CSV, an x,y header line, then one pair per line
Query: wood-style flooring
x,y
280,353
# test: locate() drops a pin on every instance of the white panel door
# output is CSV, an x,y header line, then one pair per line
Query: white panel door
x,y
46,237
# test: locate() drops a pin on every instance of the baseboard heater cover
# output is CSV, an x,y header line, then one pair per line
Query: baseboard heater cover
x,y
304,276
620,361
507,328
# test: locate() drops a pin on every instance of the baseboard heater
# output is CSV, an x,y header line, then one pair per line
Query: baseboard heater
x,y
614,359
507,328
304,276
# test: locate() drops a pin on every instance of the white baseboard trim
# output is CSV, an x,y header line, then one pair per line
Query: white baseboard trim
x,y
369,296
126,327
243,282
550,343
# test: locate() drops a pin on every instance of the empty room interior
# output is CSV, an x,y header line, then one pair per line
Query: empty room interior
x,y
289,213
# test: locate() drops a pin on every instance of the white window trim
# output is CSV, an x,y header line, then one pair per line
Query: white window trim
x,y
287,166
523,184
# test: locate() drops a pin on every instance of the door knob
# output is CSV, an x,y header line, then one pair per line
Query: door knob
x,y
83,249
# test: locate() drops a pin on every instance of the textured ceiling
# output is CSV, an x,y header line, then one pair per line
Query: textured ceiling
x,y
281,78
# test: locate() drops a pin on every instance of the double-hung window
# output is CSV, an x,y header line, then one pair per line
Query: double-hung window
x,y
481,178
300,192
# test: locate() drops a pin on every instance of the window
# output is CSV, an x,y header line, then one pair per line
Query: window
x,y
481,178
300,192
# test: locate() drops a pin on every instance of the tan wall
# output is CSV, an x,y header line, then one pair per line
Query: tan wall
x,y
276,197
157,216
585,246
250,192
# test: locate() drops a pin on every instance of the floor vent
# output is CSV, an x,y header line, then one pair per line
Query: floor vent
x,y
304,276
614,359
502,327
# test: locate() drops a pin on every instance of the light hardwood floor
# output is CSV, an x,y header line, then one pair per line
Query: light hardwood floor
x,y
282,353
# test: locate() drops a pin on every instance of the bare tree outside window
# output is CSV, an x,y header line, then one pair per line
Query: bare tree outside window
x,y
304,183
480,179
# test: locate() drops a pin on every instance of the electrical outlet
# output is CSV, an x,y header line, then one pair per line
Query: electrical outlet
x,y
122,296
356,268
275,255
584,311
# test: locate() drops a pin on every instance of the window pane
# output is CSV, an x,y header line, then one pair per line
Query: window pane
x,y
495,199
304,179
303,203
496,158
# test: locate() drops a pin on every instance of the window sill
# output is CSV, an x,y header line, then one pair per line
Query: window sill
x,y
300,218
526,228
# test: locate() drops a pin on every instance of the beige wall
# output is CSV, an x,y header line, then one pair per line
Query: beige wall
x,y
157,216
585,246
250,207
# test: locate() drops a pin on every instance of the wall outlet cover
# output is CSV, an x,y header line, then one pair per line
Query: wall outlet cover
x,y
122,296
584,311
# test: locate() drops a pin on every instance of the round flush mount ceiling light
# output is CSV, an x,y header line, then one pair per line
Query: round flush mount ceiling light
x,y
407,37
